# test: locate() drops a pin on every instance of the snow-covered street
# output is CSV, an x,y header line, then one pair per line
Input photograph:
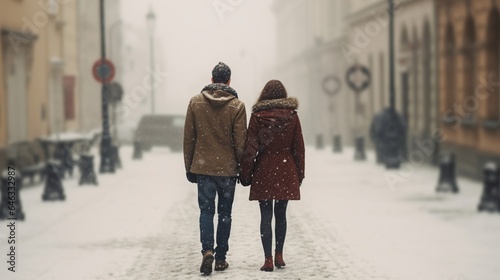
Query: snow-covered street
x,y
142,223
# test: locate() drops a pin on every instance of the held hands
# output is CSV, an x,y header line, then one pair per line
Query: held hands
x,y
243,182
191,177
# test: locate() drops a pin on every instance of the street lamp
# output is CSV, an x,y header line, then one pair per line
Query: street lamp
x,y
151,20
389,126
107,163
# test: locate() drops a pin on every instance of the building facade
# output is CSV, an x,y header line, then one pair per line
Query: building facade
x,y
47,49
71,74
469,76
32,68
321,39
416,73
309,60
415,65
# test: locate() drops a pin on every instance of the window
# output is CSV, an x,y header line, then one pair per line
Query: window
x,y
69,97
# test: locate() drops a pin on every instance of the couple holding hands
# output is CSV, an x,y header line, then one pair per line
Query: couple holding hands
x,y
219,150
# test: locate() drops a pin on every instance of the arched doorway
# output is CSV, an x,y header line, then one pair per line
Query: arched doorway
x,y
469,71
449,91
426,80
405,98
404,49
415,83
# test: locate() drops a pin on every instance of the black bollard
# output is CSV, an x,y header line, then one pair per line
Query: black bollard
x,y
447,177
137,151
10,204
87,173
53,185
490,200
319,142
337,144
359,153
116,156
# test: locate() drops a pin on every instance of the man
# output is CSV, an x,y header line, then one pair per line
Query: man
x,y
214,142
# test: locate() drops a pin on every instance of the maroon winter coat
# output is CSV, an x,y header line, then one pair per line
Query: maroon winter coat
x,y
274,151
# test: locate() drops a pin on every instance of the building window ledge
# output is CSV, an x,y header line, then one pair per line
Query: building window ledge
x,y
490,124
449,121
469,123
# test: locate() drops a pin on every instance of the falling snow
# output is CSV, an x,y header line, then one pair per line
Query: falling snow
x,y
143,224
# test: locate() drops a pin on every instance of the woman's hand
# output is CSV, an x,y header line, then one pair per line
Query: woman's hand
x,y
244,182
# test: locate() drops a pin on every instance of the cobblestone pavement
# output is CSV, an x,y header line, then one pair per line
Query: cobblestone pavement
x,y
142,223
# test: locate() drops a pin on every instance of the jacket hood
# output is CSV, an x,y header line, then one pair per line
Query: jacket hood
x,y
219,94
276,112
284,103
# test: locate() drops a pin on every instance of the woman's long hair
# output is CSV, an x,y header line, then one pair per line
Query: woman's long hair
x,y
274,89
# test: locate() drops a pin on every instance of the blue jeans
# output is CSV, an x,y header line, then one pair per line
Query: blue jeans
x,y
208,188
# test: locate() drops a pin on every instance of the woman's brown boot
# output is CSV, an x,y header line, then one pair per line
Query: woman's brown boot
x,y
268,264
278,260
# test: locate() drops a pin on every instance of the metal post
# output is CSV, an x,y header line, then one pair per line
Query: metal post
x,y
151,76
392,130
392,88
406,114
107,163
112,57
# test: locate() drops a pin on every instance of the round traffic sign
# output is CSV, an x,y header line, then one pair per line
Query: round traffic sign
x,y
358,77
103,71
331,85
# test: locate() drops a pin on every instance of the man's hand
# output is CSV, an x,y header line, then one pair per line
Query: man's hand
x,y
191,177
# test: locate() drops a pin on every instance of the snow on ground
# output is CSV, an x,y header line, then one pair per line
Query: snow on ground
x,y
142,223
409,232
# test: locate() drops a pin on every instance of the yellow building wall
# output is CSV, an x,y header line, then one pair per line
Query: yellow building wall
x,y
38,88
34,17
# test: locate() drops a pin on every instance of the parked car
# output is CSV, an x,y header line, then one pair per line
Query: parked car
x,y
160,130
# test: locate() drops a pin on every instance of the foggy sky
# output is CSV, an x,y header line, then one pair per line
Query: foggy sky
x,y
194,37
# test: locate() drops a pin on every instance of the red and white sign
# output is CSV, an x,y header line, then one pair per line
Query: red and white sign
x,y
103,71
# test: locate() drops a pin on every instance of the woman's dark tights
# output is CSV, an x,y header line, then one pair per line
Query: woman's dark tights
x,y
266,217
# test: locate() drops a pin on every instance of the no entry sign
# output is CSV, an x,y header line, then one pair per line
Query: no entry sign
x,y
103,71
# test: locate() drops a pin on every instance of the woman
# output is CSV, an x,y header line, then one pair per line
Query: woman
x,y
273,164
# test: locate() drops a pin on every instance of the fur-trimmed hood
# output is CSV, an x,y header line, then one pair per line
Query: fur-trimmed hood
x,y
284,103
276,112
219,94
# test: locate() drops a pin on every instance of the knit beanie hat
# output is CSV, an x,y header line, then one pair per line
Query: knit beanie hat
x,y
221,73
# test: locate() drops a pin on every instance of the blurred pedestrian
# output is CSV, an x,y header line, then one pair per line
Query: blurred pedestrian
x,y
274,164
214,140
